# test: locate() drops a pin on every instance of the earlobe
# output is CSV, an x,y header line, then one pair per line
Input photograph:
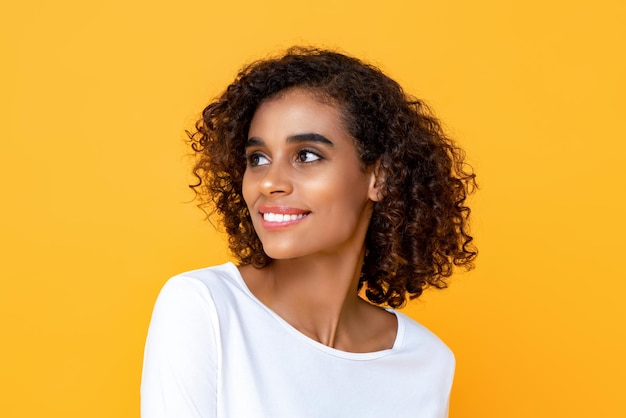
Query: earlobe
x,y
377,183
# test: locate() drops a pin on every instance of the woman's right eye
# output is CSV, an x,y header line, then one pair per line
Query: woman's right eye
x,y
256,159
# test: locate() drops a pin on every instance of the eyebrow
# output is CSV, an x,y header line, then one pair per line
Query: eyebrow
x,y
294,139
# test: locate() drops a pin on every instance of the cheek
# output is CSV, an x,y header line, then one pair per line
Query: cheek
x,y
341,192
246,189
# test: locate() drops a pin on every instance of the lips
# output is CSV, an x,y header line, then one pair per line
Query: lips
x,y
281,216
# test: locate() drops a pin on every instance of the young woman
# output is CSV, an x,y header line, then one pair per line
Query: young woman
x,y
342,197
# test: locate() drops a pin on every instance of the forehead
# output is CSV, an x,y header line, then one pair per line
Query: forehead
x,y
298,109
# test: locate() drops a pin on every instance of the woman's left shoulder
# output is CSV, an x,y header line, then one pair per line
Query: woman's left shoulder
x,y
419,338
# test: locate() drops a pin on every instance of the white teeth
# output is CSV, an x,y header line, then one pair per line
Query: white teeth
x,y
280,217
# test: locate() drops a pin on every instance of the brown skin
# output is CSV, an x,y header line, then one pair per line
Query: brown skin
x,y
312,282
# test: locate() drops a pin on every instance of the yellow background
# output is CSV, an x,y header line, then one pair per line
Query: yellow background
x,y
95,213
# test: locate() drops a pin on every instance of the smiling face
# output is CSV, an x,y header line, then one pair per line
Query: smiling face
x,y
304,184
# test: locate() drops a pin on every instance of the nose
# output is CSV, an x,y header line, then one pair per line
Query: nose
x,y
276,181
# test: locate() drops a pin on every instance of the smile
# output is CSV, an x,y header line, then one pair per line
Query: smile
x,y
281,218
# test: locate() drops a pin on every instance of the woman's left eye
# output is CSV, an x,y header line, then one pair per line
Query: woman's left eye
x,y
305,156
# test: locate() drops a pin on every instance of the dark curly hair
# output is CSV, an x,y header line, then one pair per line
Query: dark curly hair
x,y
419,229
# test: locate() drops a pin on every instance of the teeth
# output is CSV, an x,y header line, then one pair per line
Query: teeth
x,y
280,217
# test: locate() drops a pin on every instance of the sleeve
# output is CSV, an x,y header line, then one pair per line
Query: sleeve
x,y
448,367
180,369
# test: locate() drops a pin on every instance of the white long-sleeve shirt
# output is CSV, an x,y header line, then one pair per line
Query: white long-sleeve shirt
x,y
215,350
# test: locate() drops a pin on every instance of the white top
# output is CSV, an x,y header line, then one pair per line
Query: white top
x,y
215,350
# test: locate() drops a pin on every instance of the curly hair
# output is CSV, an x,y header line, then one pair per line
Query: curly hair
x,y
419,229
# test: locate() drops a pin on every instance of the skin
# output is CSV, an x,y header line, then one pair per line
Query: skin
x,y
303,166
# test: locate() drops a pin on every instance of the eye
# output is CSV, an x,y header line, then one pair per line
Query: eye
x,y
306,156
256,159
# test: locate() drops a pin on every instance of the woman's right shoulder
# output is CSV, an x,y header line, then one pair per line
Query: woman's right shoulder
x,y
204,286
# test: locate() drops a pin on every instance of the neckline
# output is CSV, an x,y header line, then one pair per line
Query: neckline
x,y
316,344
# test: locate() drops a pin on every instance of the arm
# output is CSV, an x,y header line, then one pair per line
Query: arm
x,y
180,363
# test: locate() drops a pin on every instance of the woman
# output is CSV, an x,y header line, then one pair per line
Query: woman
x,y
340,194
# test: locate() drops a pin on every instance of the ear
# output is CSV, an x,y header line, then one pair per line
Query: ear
x,y
377,181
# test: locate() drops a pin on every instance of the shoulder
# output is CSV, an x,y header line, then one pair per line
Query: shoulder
x,y
197,294
211,277
419,340
189,307
202,283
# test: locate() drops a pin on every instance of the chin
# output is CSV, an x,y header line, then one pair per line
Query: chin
x,y
283,252
278,255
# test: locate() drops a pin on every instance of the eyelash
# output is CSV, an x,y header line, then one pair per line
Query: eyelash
x,y
250,158
308,151
253,157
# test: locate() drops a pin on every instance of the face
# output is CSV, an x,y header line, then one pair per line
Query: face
x,y
304,184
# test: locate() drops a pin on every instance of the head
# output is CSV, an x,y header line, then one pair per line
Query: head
x,y
419,223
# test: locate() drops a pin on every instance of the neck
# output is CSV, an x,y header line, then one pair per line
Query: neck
x,y
318,296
